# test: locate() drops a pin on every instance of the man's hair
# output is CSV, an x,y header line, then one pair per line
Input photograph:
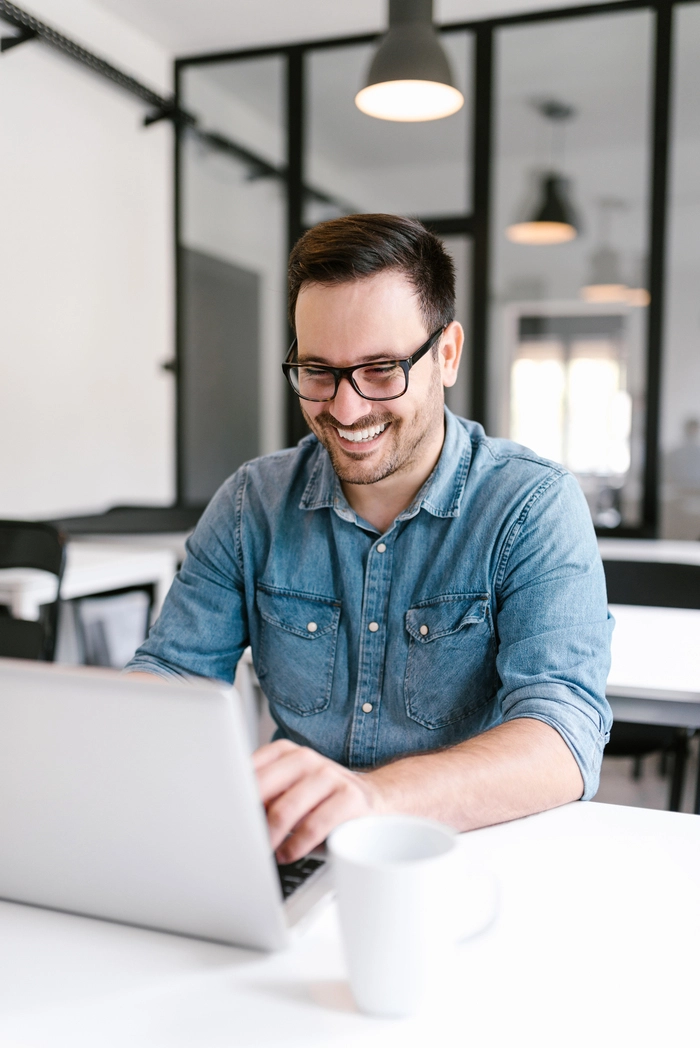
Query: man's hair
x,y
361,245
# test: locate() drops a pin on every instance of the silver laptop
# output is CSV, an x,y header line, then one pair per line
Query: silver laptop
x,y
136,801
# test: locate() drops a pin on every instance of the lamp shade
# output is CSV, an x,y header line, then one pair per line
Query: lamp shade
x,y
410,77
554,220
605,283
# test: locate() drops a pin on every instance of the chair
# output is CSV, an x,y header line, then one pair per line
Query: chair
x,y
25,544
660,585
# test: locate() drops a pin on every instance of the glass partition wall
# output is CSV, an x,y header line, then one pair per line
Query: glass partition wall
x,y
569,325
564,340
680,405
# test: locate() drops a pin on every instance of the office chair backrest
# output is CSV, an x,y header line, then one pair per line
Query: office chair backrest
x,y
26,544
654,584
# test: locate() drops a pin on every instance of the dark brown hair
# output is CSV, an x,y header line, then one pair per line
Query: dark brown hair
x,y
361,245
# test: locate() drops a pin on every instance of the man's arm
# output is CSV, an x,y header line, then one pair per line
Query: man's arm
x,y
202,629
515,769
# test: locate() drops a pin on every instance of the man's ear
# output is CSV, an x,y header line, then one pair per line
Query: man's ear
x,y
450,352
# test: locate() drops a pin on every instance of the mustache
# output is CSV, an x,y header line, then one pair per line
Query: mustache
x,y
366,422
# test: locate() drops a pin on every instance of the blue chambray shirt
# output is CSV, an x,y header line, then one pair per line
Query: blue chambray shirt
x,y
483,601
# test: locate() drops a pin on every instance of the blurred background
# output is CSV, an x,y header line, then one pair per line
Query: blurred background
x,y
143,268
161,157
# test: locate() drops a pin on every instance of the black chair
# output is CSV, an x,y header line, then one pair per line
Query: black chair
x,y
659,585
25,544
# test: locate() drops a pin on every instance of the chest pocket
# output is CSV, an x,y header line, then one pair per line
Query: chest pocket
x,y
451,667
297,648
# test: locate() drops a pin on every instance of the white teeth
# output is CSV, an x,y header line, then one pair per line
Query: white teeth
x,y
358,435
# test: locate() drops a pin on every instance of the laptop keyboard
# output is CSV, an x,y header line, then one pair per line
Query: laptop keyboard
x,y
293,874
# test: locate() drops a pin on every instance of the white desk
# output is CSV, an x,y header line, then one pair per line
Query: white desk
x,y
171,540
655,672
663,551
91,567
594,944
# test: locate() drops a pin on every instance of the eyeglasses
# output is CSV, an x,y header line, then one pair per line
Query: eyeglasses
x,y
380,380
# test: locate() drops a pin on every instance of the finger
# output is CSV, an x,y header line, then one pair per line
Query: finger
x,y
342,805
275,778
272,751
298,801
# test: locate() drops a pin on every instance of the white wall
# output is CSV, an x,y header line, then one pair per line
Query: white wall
x,y
86,414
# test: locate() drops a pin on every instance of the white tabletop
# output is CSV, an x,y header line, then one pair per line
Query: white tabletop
x,y
656,648
91,567
662,550
172,540
595,943
655,672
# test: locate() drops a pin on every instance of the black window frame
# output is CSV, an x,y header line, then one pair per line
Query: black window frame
x,y
476,224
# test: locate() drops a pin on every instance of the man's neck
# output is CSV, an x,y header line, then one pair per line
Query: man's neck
x,y
381,503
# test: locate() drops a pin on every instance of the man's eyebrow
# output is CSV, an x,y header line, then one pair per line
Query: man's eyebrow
x,y
368,359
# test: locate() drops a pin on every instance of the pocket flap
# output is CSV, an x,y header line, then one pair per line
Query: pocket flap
x,y
440,616
301,614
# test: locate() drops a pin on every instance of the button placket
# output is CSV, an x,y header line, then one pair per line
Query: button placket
x,y
377,585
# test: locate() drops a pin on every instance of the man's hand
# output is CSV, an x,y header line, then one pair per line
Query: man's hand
x,y
307,795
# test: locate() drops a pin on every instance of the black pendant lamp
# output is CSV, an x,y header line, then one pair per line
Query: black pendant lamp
x,y
410,77
553,220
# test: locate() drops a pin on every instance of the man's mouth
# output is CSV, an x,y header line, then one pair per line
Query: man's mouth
x,y
361,436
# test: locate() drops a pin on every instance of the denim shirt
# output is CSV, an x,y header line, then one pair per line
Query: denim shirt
x,y
484,601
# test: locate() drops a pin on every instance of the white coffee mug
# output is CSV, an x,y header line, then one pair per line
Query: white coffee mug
x,y
405,895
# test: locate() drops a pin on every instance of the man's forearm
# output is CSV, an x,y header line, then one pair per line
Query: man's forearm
x,y
517,768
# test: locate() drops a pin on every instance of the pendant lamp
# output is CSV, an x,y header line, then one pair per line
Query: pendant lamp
x,y
410,78
605,281
553,220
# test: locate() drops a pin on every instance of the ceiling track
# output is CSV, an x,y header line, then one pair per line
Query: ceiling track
x,y
163,107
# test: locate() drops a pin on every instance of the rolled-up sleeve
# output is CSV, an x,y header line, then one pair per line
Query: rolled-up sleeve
x,y
553,623
202,630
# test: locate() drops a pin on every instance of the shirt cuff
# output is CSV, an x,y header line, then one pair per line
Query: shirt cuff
x,y
147,664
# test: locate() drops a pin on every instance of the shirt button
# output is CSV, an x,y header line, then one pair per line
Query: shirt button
x,y
373,627
423,631
381,548
367,708
311,627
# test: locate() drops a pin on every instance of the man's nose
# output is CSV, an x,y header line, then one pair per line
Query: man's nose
x,y
348,405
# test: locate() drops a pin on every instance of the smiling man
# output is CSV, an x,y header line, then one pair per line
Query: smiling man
x,y
425,605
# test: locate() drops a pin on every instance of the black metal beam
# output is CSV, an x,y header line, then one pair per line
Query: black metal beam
x,y
323,43
179,304
296,427
660,136
449,225
28,23
481,207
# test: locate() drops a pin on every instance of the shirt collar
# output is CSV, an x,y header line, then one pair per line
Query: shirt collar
x,y
441,495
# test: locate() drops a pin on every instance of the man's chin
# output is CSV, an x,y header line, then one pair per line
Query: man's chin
x,y
359,468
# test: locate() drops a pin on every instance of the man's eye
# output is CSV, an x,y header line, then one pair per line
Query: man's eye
x,y
381,370
314,372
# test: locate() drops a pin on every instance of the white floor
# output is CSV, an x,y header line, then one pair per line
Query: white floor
x,y
650,791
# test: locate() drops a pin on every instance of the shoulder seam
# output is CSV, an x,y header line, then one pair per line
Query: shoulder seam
x,y
238,518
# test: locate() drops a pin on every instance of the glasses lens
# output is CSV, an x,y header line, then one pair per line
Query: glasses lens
x,y
313,383
381,381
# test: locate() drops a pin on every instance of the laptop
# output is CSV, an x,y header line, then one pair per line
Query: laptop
x,y
136,801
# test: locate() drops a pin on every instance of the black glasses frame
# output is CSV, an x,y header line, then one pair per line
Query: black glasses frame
x,y
406,363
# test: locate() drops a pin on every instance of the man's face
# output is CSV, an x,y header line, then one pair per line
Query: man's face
x,y
360,321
